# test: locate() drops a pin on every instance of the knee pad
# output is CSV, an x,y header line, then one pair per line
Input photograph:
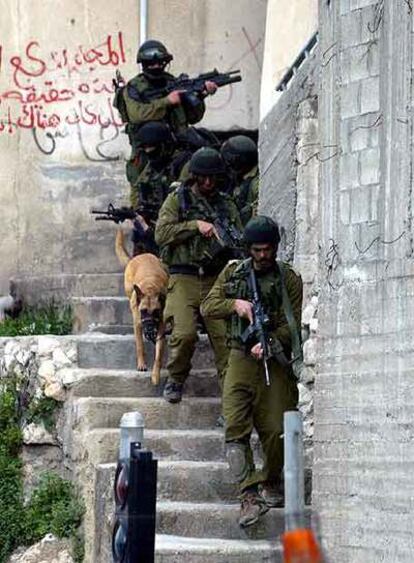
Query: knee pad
x,y
236,455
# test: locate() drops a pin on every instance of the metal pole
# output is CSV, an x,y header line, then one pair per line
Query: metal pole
x,y
132,430
294,470
143,21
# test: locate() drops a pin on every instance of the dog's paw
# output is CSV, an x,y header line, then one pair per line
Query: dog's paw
x,y
142,366
155,377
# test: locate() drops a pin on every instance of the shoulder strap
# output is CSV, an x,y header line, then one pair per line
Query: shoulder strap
x,y
184,201
294,330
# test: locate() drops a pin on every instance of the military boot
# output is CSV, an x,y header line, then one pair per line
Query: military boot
x,y
252,506
173,391
273,495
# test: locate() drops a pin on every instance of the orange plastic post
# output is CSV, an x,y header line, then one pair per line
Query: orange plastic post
x,y
300,546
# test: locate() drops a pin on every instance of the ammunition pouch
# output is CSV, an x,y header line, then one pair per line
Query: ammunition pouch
x,y
278,353
215,257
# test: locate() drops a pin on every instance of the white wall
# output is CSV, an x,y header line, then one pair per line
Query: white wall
x,y
289,25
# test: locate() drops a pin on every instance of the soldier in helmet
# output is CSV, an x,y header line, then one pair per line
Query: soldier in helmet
x,y
240,155
189,246
248,401
149,190
172,109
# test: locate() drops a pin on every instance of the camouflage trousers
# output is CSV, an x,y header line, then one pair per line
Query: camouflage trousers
x,y
249,403
184,297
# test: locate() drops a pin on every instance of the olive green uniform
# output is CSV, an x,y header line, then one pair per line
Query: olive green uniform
x,y
192,274
178,117
247,401
246,195
147,195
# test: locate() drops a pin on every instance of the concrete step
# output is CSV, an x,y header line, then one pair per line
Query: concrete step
x,y
208,520
183,481
100,382
91,311
118,352
77,285
113,329
99,412
172,445
177,549
215,520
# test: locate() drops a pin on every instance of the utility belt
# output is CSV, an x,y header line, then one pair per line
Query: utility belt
x,y
187,270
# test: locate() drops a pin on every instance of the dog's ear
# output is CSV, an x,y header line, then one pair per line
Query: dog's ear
x,y
138,292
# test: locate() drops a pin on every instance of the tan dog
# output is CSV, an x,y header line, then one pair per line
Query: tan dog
x,y
145,282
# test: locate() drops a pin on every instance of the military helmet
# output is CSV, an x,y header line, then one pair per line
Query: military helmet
x,y
153,133
239,152
261,230
206,162
153,51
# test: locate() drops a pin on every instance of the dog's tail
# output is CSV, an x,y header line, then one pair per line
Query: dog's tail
x,y
122,254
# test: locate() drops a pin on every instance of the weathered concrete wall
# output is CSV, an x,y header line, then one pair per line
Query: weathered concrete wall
x,y
363,485
288,151
62,149
289,25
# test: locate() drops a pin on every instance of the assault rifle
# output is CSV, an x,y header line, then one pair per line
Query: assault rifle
x,y
191,86
259,329
118,82
230,240
115,214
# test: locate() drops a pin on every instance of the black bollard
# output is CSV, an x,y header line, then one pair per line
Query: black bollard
x,y
135,488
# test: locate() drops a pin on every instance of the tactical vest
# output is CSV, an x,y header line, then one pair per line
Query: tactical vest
x,y
199,251
176,117
237,287
151,189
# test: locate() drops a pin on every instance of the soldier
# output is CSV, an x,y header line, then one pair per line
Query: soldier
x,y
189,246
151,186
248,402
172,109
240,155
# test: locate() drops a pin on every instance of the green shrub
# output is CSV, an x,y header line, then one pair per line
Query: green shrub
x,y
46,319
11,483
12,521
43,410
53,508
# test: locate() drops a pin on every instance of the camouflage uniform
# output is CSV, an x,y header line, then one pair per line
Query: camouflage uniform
x,y
246,195
247,401
147,195
192,274
178,117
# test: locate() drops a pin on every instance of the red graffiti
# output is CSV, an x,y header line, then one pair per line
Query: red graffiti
x,y
34,65
65,79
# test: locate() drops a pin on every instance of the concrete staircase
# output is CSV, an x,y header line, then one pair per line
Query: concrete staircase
x,y
197,508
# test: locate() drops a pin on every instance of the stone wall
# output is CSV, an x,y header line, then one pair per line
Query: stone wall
x,y
289,159
363,393
45,366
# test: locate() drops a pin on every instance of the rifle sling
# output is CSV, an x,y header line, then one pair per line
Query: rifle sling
x,y
279,355
288,310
